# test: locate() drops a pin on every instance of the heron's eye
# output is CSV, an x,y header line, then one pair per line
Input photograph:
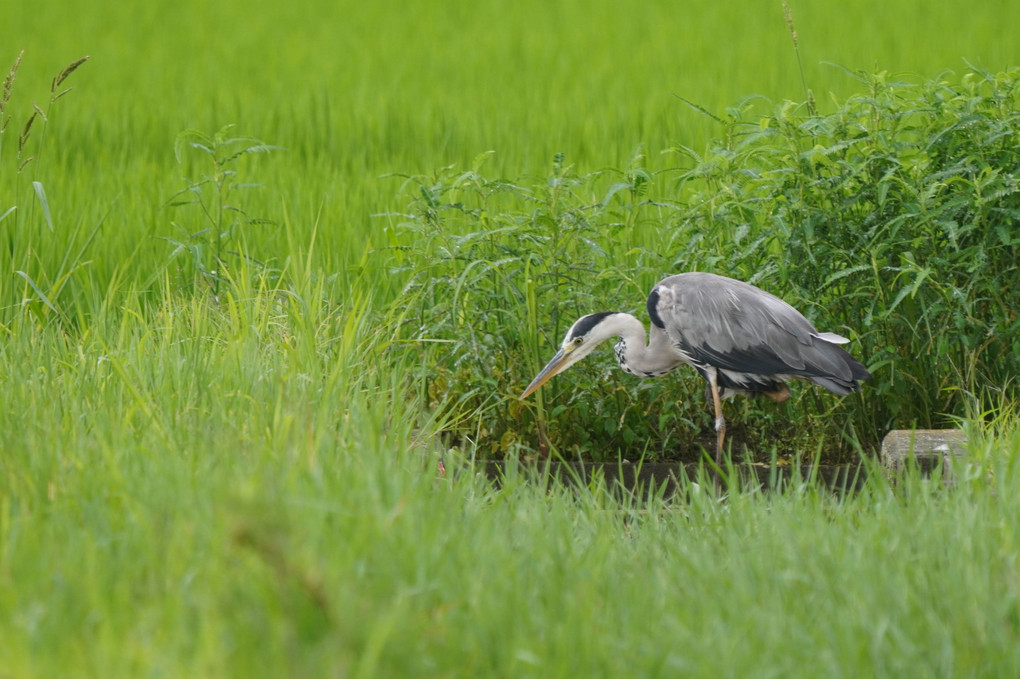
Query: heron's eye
x,y
578,341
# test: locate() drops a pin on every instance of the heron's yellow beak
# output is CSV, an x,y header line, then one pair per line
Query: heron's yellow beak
x,y
557,364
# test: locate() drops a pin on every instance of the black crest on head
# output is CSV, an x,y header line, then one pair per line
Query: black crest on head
x,y
586,323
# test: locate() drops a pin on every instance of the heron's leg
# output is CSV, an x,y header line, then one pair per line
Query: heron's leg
x,y
720,421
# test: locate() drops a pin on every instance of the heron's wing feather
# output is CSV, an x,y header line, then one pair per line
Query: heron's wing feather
x,y
736,326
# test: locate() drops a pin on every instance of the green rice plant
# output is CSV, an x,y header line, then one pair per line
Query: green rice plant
x,y
148,540
219,216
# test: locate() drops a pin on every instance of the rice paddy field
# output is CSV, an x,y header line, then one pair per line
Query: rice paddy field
x,y
266,295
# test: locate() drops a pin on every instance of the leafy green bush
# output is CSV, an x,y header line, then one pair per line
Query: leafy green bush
x,y
894,217
889,220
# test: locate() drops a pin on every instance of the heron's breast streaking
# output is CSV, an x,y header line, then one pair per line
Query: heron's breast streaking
x,y
621,358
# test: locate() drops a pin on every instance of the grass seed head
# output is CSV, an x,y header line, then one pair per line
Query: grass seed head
x,y
68,70
9,81
788,14
23,139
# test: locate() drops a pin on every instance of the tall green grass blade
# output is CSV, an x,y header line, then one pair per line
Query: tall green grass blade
x,y
44,203
38,291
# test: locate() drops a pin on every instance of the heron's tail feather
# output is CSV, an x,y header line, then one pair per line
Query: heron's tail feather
x,y
841,385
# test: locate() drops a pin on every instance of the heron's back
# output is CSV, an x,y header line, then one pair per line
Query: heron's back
x,y
754,340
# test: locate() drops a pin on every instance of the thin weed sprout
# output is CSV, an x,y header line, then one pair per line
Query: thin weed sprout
x,y
212,195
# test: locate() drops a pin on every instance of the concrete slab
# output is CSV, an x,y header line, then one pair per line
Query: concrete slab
x,y
928,447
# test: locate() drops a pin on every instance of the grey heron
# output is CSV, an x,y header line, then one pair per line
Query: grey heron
x,y
741,339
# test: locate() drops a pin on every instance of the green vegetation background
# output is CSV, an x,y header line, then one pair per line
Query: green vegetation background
x,y
354,91
246,484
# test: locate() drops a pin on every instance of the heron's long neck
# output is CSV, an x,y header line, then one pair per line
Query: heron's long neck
x,y
654,359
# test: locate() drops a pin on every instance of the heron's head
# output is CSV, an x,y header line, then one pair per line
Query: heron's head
x,y
581,339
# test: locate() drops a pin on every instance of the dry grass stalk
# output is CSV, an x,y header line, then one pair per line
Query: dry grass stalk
x,y
788,14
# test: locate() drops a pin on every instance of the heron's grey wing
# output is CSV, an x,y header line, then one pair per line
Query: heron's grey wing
x,y
735,326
